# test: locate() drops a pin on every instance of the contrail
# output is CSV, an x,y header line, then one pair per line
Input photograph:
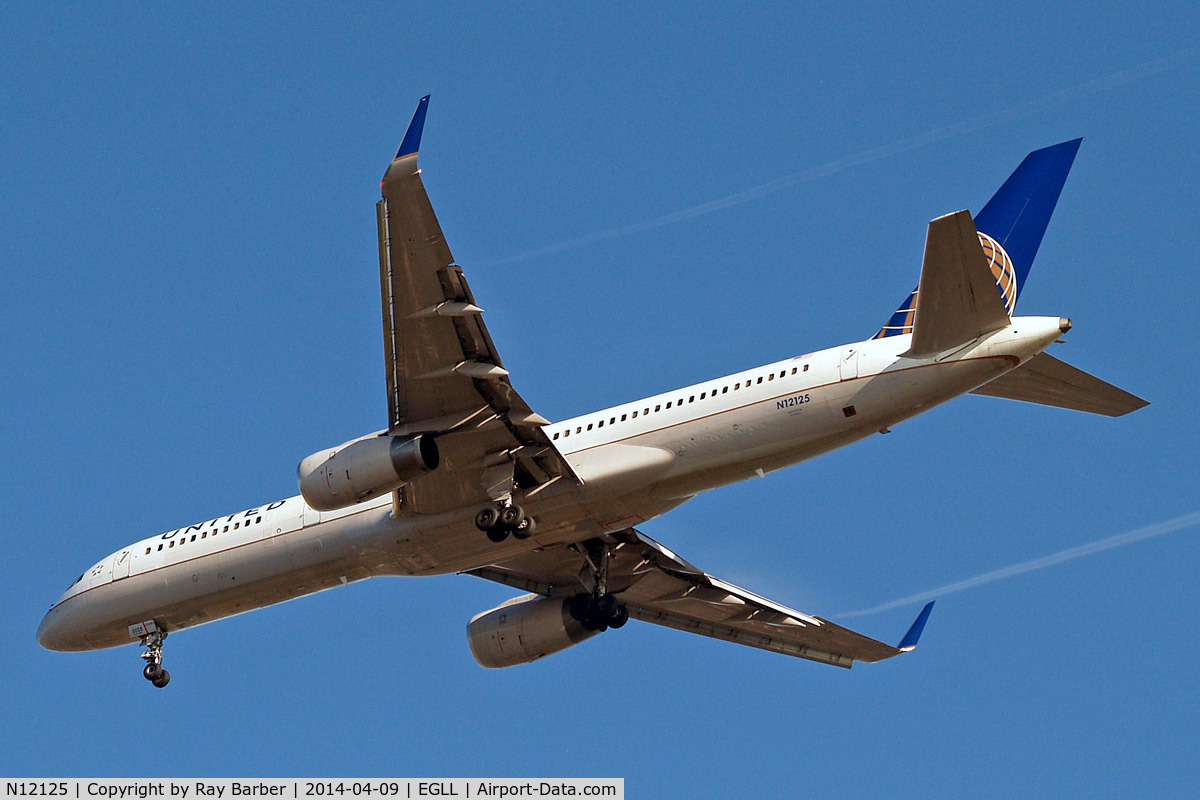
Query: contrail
x,y
874,154
1120,540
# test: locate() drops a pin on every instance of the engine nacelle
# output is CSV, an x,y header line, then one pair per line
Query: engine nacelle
x,y
523,629
363,469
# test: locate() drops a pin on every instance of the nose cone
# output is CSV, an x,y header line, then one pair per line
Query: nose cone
x,y
47,635
57,631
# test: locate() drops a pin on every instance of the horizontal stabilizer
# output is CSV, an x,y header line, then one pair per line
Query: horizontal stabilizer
x,y
957,299
1046,380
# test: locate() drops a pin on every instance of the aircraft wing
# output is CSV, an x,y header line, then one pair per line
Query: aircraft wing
x,y
444,375
658,586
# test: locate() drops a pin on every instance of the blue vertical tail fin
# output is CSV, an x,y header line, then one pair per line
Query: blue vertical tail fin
x,y
1010,226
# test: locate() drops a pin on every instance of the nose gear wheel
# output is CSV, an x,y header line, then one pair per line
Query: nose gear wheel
x,y
153,671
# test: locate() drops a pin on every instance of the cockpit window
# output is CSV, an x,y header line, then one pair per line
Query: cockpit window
x,y
77,580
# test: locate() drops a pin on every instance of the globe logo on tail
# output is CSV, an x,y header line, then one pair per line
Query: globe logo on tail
x,y
1002,270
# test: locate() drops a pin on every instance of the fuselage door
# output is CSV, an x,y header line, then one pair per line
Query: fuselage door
x,y
120,567
291,517
848,364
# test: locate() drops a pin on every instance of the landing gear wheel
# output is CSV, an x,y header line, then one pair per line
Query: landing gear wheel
x,y
487,519
595,622
606,607
583,608
525,528
578,606
619,618
511,516
153,640
598,613
498,534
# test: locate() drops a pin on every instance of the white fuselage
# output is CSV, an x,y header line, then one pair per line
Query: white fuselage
x,y
635,462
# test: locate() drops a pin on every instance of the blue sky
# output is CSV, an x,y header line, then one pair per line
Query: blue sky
x,y
190,307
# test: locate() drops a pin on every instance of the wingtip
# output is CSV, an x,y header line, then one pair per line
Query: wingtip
x,y
412,137
909,642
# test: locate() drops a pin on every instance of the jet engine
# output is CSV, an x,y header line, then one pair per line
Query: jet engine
x,y
523,629
362,469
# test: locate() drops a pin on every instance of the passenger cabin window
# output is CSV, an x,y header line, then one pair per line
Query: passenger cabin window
x,y
770,377
623,416
160,547
589,426
147,551
793,370
601,425
759,380
805,368
668,404
724,390
692,399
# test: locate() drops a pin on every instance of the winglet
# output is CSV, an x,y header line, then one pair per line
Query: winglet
x,y
909,642
412,137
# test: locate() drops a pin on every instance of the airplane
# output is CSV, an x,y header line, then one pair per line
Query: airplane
x,y
467,478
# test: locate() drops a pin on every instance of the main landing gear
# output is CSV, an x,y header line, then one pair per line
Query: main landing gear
x,y
499,521
598,610
154,671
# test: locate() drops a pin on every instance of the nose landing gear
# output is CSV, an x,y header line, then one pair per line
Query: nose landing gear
x,y
153,670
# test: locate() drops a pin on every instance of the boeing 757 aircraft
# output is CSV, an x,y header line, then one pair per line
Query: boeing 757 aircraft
x,y
468,478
